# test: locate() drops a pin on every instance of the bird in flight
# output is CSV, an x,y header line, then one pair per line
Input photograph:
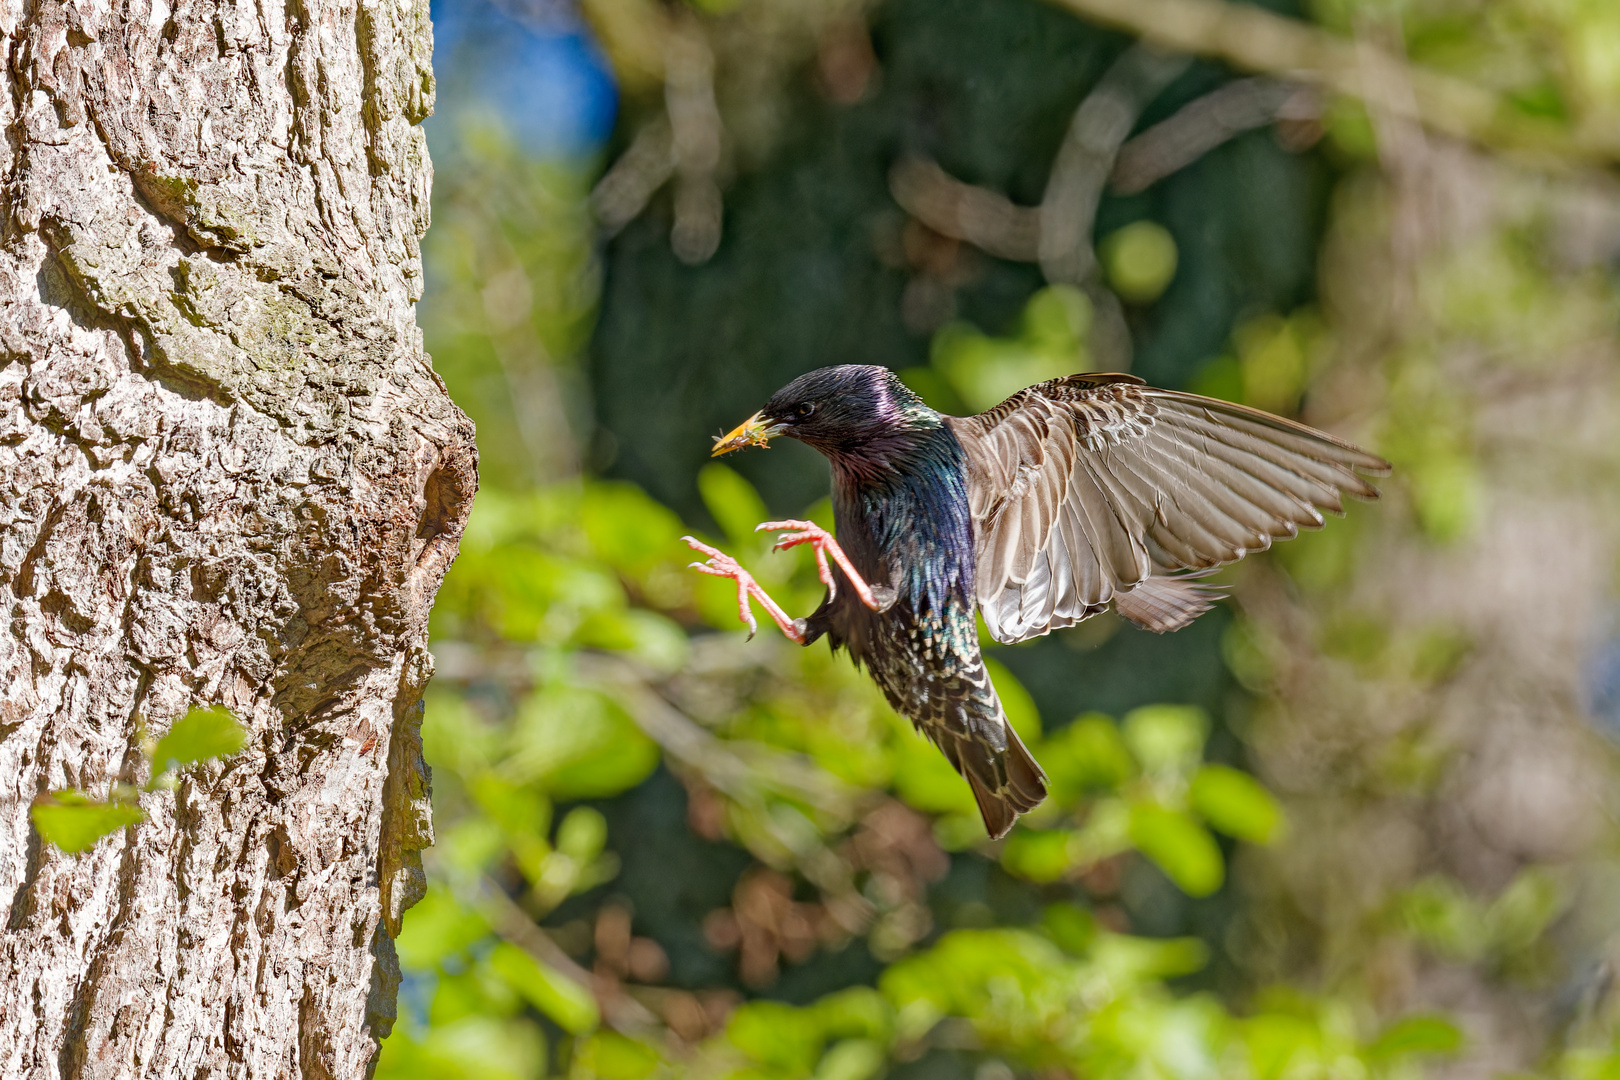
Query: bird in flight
x,y
1070,496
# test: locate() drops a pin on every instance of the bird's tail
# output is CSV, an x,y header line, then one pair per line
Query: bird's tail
x,y
1005,782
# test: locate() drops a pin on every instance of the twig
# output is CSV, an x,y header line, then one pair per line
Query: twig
x,y
736,768
1254,39
975,215
623,192
512,923
1069,205
1199,127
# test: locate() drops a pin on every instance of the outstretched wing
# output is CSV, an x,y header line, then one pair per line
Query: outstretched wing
x,y
1097,489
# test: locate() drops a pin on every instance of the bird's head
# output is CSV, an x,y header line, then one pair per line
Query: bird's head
x,y
836,410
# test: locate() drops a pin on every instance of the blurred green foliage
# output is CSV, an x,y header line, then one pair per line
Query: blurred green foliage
x,y
663,851
567,605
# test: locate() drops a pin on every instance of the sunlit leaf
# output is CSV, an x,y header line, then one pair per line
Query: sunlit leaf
x,y
776,1035
732,502
197,736
852,1059
1140,260
627,528
568,1003
579,744
1276,1041
1134,960
582,833
1235,803
1166,738
1088,755
857,1011
1039,855
644,635
1417,1035
470,1047
607,1055
73,822
437,927
926,781
1180,847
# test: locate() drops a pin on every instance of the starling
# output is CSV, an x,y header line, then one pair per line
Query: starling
x,y
1069,496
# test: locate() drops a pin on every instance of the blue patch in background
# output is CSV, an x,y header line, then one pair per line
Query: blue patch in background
x,y
541,73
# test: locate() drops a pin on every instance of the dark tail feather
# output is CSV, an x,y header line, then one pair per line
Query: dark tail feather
x,y
1021,790
1163,604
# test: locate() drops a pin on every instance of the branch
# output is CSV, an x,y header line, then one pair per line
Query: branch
x,y
1206,123
986,219
619,1011
1257,40
1079,173
739,769
640,171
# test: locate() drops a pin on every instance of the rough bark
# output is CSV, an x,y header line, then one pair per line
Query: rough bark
x,y
227,474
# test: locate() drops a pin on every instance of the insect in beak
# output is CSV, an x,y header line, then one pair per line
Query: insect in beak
x,y
754,431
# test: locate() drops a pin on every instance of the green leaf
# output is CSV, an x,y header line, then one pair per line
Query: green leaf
x,y
1524,910
516,808
1180,847
1441,914
1140,260
582,834
438,927
1236,804
1449,493
645,635
733,503
578,743
470,1047
74,822
1072,927
1166,738
1417,1035
1275,1041
857,1011
559,997
607,1055
776,1035
926,781
197,736
1039,856
627,528
1088,755
852,1059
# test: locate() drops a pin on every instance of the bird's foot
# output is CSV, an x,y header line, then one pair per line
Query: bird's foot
x,y
808,532
720,564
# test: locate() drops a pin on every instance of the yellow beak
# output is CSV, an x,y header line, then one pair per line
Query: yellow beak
x,y
754,431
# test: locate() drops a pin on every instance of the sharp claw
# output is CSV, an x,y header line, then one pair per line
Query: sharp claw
x,y
720,564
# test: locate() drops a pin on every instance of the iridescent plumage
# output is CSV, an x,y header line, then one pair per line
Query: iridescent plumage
x,y
1069,497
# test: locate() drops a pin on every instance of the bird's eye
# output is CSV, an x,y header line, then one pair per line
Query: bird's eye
x,y
803,410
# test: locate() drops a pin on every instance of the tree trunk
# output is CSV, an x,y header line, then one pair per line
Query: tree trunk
x,y
227,475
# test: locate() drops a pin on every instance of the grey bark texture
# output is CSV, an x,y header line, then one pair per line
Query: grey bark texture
x,y
227,475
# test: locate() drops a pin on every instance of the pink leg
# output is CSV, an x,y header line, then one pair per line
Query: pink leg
x,y
811,533
722,565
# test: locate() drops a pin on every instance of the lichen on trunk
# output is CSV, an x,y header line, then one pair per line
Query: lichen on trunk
x,y
228,475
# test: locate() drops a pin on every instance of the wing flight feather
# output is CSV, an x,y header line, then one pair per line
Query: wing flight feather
x,y
1097,489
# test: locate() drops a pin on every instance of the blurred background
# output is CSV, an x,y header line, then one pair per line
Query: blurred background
x,y
1358,821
